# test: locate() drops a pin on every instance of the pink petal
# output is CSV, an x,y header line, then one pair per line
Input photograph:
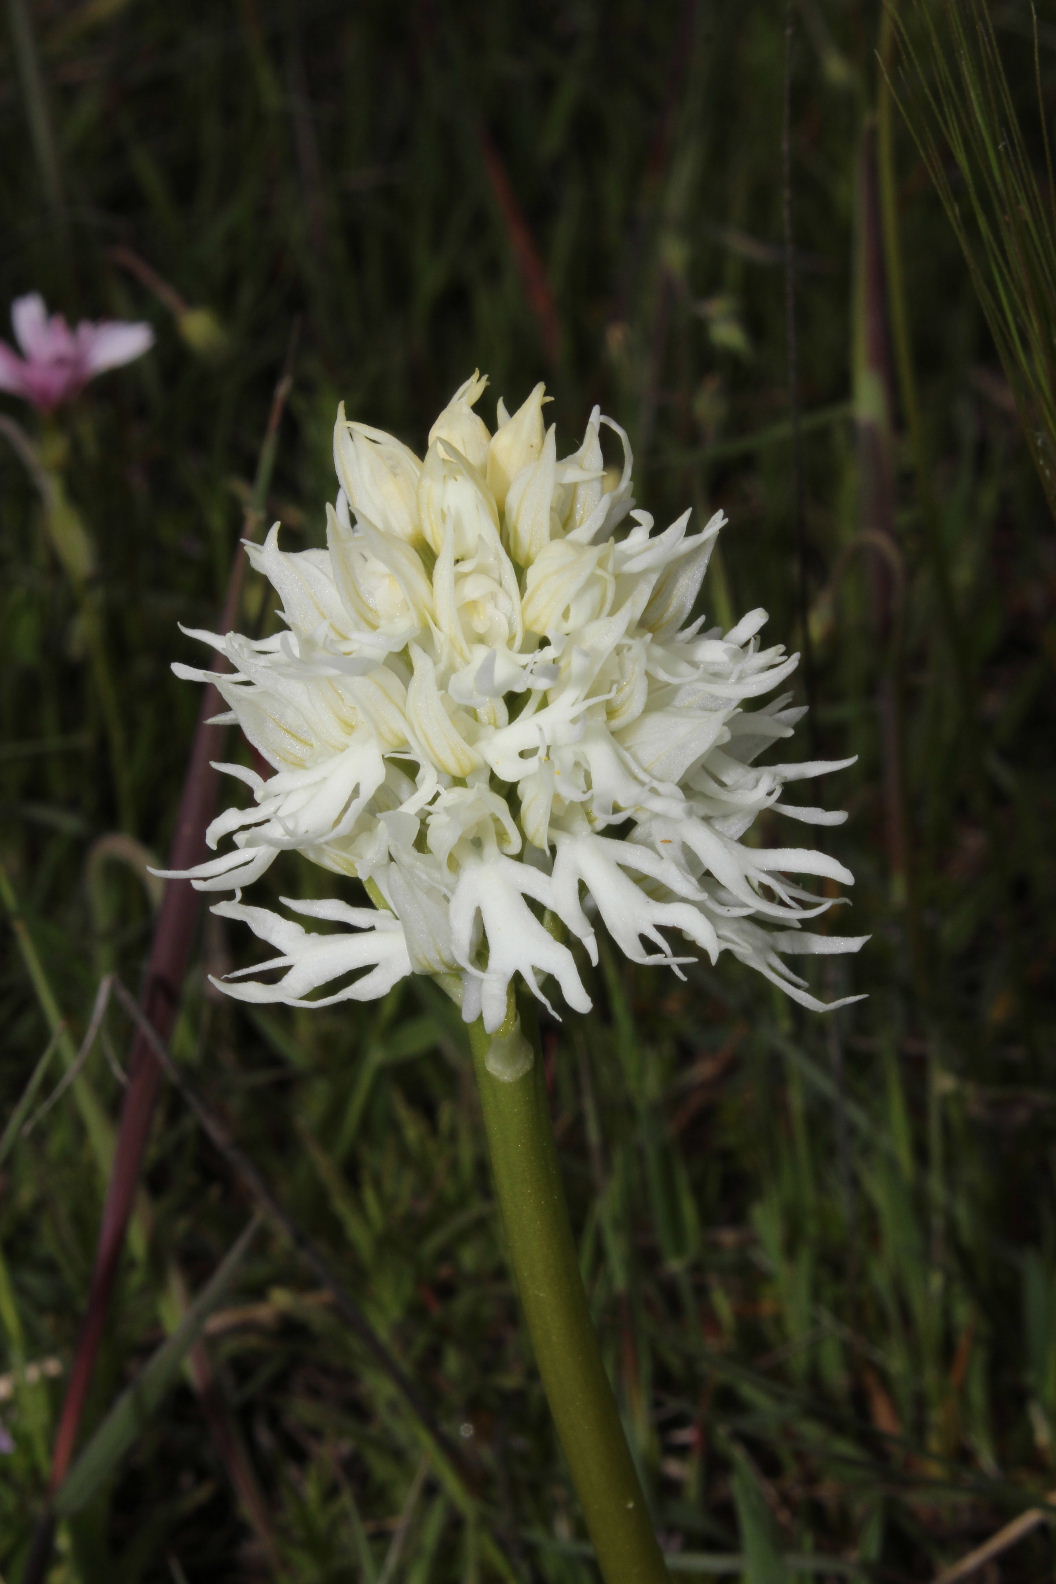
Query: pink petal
x,y
12,372
48,385
30,320
108,345
40,338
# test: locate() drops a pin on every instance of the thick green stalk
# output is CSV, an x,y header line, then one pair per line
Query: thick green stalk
x,y
543,1254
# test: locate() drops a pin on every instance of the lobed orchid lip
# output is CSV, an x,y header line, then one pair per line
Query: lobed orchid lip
x,y
491,704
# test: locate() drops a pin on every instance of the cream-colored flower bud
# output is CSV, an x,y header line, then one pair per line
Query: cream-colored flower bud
x,y
454,503
436,721
579,477
461,427
422,909
379,477
680,578
629,684
382,698
381,579
516,442
537,799
593,496
567,586
530,504
477,599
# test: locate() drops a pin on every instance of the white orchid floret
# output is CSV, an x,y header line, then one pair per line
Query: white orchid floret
x,y
380,582
378,477
491,908
488,703
516,444
310,959
461,428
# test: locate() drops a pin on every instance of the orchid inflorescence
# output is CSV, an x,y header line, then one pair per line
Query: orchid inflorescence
x,y
488,705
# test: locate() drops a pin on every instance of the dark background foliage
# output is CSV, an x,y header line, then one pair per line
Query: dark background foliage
x,y
820,1250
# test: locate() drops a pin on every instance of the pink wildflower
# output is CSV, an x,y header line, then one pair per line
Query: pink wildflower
x,y
58,362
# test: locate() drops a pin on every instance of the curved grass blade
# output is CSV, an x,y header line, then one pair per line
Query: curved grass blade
x,y
134,1407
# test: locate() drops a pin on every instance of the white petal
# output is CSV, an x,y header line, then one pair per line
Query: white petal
x,y
667,743
114,343
679,581
810,768
228,872
488,907
517,442
628,912
461,427
811,816
437,725
422,906
800,860
454,502
13,372
530,504
32,327
240,773
305,583
761,948
379,476
807,943
567,586
311,960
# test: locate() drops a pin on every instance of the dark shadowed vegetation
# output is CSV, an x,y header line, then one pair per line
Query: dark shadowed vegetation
x,y
821,1252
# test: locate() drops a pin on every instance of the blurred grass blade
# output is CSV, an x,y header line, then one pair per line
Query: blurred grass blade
x,y
15,1121
872,400
765,1564
96,1122
38,115
525,250
126,1418
32,1401
72,543
954,91
449,1462
166,969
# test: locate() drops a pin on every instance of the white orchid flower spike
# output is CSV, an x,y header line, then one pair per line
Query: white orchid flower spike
x,y
489,706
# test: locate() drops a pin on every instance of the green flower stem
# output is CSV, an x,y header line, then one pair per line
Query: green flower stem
x,y
543,1254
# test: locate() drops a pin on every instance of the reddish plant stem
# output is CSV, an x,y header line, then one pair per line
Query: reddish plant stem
x,y
166,970
525,250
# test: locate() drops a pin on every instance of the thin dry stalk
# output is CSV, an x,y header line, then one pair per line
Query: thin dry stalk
x,y
159,1002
